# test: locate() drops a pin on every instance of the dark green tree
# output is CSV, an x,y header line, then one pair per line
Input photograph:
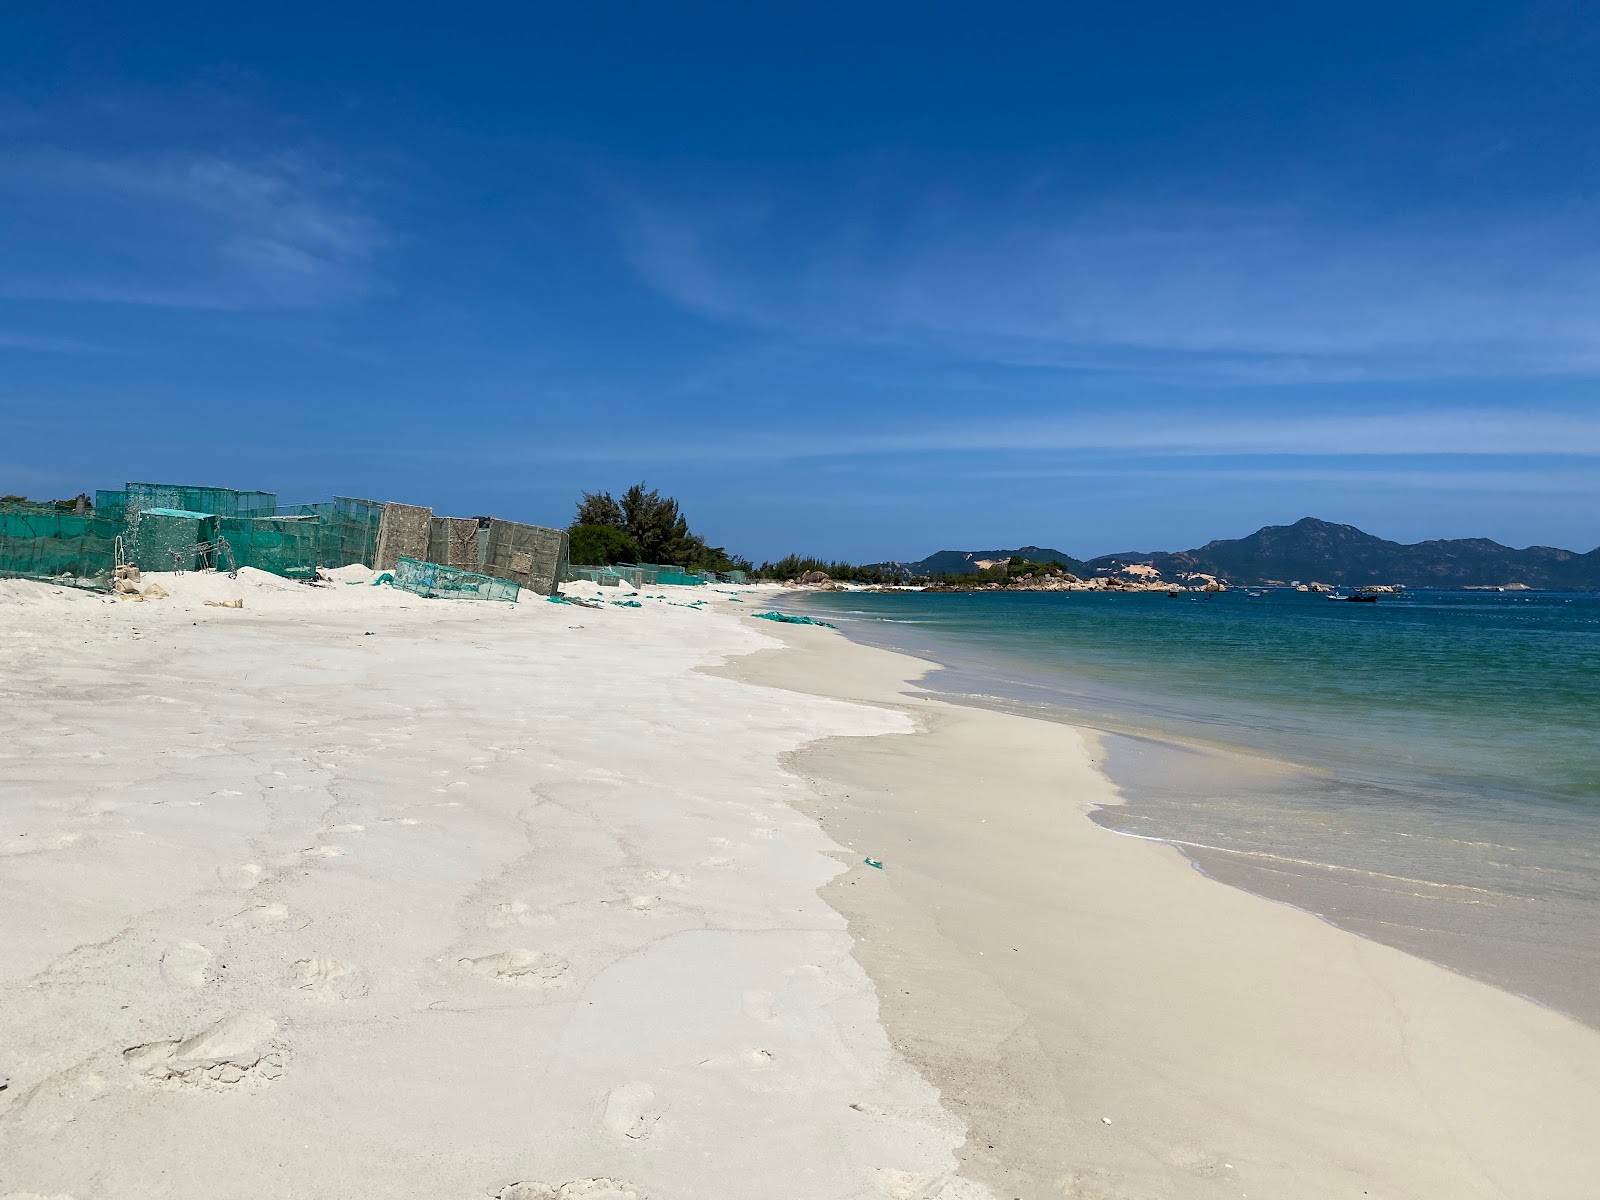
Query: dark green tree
x,y
601,545
644,526
656,523
598,508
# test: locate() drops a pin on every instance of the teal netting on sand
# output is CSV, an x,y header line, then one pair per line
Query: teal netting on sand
x,y
452,583
786,619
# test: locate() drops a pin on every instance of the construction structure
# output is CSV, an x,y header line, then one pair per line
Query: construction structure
x,y
180,527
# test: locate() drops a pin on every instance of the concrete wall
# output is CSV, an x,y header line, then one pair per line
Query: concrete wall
x,y
531,554
402,532
453,542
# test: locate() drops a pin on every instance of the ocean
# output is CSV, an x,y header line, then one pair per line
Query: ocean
x,y
1424,770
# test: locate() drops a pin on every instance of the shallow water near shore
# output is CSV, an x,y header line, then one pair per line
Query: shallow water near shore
x,y
1424,771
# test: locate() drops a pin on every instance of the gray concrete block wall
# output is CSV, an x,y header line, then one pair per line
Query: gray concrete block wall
x,y
453,542
403,532
532,555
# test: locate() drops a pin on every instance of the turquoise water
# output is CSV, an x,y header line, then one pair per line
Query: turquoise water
x,y
1424,770
1497,692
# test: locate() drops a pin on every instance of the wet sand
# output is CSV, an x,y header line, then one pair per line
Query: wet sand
x,y
1110,1022
1501,893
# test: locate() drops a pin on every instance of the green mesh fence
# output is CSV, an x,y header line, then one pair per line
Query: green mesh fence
x,y
39,543
285,546
224,502
431,579
169,539
349,532
604,576
167,527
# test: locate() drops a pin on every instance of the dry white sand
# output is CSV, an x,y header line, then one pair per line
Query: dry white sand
x,y
351,894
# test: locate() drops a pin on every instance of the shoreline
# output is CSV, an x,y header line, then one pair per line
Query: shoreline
x,y
1046,973
1499,889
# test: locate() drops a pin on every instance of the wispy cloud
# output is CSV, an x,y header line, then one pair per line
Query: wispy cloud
x,y
1259,294
183,229
1149,433
13,339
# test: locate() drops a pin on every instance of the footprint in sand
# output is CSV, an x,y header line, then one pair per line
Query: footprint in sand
x,y
327,980
352,827
238,1050
753,1059
322,852
904,1185
598,1188
637,903
261,914
717,863
1196,1161
188,964
632,1112
245,875
669,878
515,912
758,1004
522,968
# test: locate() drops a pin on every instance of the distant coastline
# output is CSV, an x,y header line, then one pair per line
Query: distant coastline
x,y
1306,552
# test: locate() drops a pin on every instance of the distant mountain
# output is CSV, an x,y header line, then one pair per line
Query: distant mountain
x,y
1313,550
966,562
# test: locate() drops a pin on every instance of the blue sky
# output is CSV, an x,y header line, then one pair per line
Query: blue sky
x,y
861,281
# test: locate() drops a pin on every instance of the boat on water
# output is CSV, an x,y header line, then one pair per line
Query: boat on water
x,y
1354,597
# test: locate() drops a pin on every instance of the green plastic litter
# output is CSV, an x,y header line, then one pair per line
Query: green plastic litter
x,y
558,599
627,604
788,620
873,862
386,577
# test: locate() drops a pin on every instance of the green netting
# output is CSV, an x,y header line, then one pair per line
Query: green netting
x,y
609,576
224,502
786,619
110,504
349,532
285,546
431,579
169,539
644,574
73,549
736,576
679,579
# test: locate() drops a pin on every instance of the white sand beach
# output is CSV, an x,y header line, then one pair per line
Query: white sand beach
x,y
348,893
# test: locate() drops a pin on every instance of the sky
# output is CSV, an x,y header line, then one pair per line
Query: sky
x,y
860,281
